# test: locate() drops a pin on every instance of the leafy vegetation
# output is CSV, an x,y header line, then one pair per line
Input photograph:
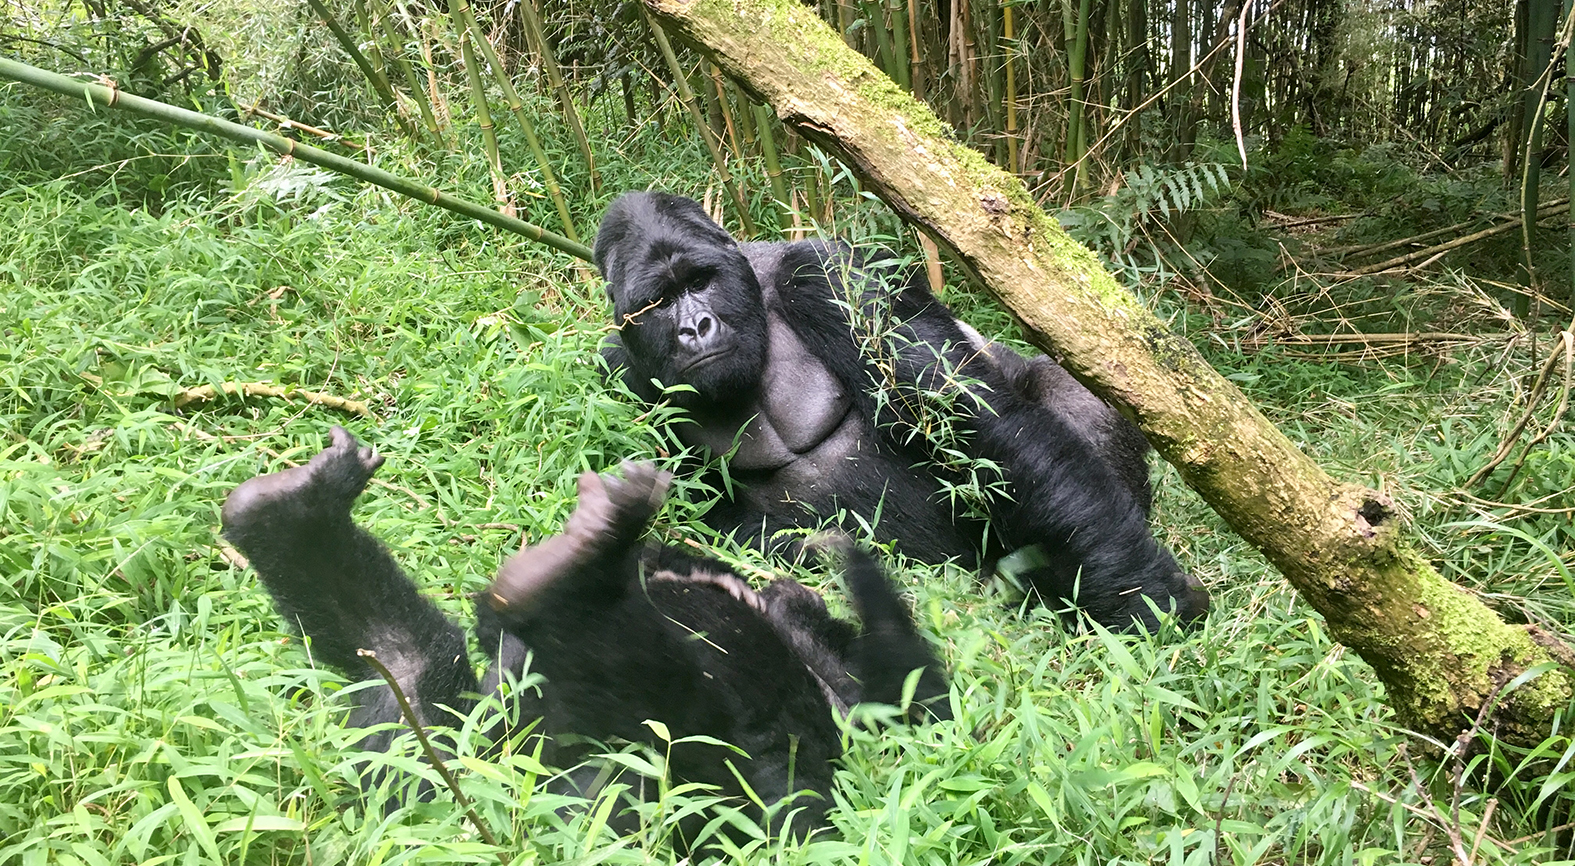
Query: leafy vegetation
x,y
153,709
156,710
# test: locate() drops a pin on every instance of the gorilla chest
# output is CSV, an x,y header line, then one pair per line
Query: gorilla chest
x,y
794,412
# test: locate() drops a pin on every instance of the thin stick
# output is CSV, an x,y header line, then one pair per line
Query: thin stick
x,y
1567,343
113,97
1235,84
1508,444
287,123
432,756
1399,261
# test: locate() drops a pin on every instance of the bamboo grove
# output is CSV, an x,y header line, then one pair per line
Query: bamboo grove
x,y
1068,94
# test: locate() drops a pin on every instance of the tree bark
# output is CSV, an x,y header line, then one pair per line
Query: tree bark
x,y
1439,651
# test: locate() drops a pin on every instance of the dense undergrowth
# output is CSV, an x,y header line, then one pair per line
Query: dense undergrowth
x,y
153,709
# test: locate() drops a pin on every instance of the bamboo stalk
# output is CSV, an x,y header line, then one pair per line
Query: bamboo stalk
x,y
899,43
549,63
768,149
109,97
478,100
1008,48
1077,59
746,112
379,84
412,81
363,22
466,19
725,110
689,99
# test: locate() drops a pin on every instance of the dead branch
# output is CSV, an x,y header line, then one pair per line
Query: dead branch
x,y
208,393
1428,252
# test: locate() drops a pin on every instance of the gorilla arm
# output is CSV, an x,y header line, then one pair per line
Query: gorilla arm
x,y
1063,495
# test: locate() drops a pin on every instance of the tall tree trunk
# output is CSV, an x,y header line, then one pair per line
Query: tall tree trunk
x,y
1440,652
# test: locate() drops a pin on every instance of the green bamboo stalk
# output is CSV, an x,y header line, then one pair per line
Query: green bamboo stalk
x,y
363,21
768,149
373,77
1569,115
460,10
1539,54
418,91
1077,67
812,205
1008,48
746,113
571,116
899,44
688,97
885,54
478,100
115,98
916,70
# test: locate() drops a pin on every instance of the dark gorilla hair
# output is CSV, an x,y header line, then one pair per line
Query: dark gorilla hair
x,y
621,630
686,294
843,389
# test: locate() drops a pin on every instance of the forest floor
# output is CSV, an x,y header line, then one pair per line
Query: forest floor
x,y
154,709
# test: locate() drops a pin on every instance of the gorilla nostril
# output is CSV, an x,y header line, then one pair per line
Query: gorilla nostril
x,y
703,327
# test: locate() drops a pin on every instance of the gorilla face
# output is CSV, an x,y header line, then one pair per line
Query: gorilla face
x,y
685,300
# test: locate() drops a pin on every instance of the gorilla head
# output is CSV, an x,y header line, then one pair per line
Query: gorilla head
x,y
685,300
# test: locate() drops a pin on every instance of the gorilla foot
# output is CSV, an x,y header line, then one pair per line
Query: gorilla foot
x,y
611,515
323,489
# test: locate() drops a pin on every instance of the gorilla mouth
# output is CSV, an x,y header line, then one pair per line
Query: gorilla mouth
x,y
701,361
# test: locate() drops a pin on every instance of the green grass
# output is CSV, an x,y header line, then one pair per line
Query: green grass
x,y
153,709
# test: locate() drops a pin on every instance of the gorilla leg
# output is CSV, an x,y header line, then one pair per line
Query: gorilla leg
x,y
576,601
623,638
340,587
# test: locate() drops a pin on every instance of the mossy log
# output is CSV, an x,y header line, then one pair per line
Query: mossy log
x,y
1440,652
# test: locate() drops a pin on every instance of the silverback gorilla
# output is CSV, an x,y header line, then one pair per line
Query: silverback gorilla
x,y
622,632
774,341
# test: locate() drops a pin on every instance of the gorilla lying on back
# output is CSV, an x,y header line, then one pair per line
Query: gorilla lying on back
x,y
621,632
826,370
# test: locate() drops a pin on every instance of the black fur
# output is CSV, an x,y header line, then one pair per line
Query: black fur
x,y
621,632
827,375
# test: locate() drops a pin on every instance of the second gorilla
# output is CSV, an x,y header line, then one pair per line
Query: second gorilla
x,y
622,633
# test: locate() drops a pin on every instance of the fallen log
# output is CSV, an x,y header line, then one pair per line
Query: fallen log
x,y
1444,657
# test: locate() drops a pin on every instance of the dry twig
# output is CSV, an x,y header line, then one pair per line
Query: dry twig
x,y
1563,347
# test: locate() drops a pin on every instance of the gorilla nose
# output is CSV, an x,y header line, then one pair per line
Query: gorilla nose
x,y
698,328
